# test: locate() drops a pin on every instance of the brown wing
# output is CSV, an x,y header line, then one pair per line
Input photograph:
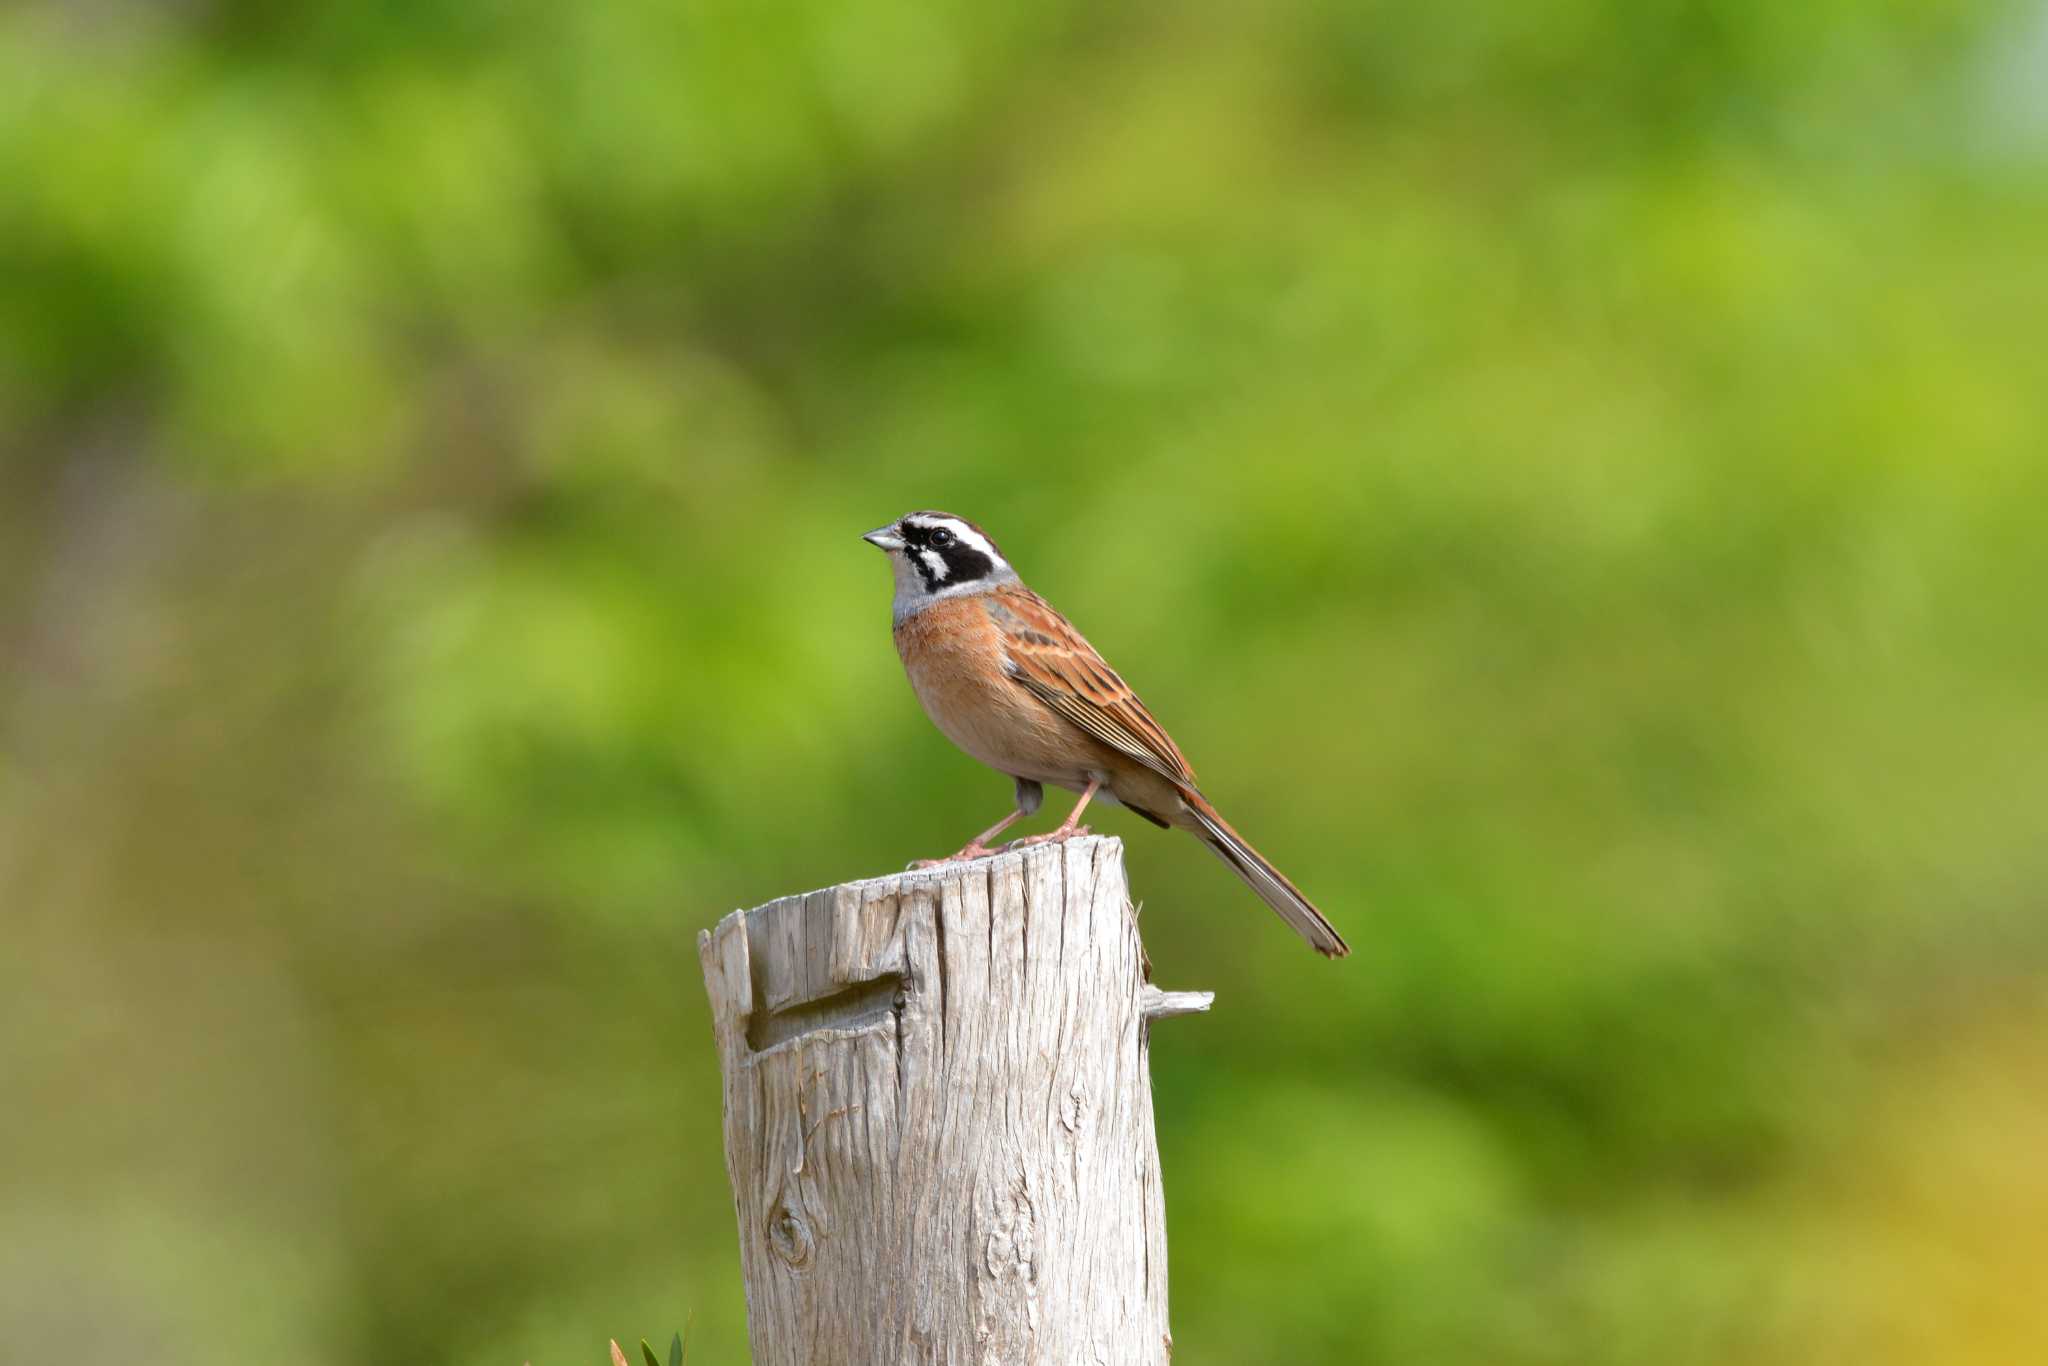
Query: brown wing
x,y
1051,659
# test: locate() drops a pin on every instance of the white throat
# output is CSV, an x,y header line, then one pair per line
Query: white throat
x,y
913,596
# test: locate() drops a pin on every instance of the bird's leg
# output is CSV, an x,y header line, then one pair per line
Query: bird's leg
x,y
1071,825
977,846
1029,794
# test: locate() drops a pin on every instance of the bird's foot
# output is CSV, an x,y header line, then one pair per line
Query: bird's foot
x,y
971,851
1050,837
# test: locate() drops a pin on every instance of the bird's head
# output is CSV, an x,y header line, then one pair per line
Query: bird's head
x,y
937,555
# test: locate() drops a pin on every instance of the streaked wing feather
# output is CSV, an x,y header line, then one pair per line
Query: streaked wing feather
x,y
1051,659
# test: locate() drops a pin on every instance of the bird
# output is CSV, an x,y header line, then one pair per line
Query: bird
x,y
1010,681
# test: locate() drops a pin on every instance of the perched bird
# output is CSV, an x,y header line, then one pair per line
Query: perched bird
x,y
1010,681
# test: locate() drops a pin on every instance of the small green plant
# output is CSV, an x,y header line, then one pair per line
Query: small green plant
x,y
678,1350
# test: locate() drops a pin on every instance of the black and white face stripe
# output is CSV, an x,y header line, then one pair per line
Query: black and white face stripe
x,y
936,555
947,551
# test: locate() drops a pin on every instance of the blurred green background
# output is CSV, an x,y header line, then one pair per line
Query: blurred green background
x,y
1571,475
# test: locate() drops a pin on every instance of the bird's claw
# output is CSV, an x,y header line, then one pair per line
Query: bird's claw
x,y
1050,837
972,851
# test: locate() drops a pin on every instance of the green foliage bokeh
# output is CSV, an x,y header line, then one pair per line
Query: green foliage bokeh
x,y
1570,475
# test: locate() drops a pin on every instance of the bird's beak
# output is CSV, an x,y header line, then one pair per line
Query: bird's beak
x,y
884,537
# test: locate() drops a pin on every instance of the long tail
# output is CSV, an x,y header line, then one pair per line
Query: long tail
x,y
1262,877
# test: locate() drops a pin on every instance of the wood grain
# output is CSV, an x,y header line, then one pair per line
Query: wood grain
x,y
938,1116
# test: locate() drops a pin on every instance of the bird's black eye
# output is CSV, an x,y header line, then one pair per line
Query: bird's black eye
x,y
941,538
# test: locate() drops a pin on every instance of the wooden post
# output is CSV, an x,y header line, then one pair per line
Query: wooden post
x,y
938,1116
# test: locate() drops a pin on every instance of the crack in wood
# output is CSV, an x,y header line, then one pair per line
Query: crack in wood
x,y
858,1006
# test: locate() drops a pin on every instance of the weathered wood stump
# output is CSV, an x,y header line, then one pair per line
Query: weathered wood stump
x,y
938,1116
